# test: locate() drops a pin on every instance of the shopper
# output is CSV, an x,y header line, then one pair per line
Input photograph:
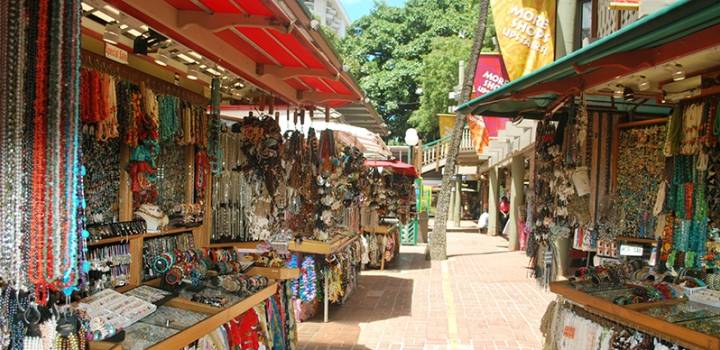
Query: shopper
x,y
483,222
504,212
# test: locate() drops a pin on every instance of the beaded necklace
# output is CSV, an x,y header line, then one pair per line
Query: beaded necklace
x,y
38,235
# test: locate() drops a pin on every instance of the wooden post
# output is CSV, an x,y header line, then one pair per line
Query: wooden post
x,y
493,201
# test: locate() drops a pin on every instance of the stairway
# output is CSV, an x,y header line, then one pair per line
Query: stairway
x,y
434,154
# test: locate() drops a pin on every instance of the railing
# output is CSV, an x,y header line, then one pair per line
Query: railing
x,y
434,153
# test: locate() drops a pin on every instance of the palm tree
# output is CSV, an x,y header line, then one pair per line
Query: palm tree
x,y
438,241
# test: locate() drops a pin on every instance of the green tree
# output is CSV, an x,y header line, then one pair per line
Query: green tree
x,y
386,52
438,77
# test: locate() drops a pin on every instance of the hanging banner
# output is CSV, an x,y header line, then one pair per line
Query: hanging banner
x,y
526,34
490,74
446,122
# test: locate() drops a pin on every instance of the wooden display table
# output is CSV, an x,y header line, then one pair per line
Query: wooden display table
x,y
324,248
216,318
630,316
385,231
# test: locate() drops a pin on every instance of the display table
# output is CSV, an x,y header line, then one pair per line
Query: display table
x,y
384,231
216,317
324,249
632,316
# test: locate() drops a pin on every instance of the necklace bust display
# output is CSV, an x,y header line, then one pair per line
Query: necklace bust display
x,y
154,217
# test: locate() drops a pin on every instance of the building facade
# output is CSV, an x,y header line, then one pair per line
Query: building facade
x,y
330,13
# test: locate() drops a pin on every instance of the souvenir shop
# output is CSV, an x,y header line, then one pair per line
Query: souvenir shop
x,y
624,184
136,216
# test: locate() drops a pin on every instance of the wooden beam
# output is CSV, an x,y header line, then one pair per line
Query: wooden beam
x,y
322,98
216,22
163,17
293,72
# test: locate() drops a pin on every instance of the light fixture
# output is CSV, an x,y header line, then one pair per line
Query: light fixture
x,y
238,85
411,137
643,83
185,58
628,94
618,91
161,57
315,24
678,72
112,33
192,72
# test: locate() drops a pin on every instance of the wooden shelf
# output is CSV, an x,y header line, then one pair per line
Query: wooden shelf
x,y
168,232
113,240
380,230
322,248
275,273
636,240
206,326
242,245
630,317
217,317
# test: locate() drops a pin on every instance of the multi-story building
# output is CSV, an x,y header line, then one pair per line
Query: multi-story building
x,y
331,14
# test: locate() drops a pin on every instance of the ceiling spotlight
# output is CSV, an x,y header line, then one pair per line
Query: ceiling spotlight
x,y
678,72
643,83
618,91
628,94
238,85
162,57
315,24
192,72
112,33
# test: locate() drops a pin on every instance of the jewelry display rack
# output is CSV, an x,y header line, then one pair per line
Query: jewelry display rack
x,y
325,249
632,316
385,231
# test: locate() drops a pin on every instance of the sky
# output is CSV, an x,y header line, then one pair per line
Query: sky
x,y
358,8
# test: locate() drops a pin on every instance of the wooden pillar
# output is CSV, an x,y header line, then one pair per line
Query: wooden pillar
x,y
492,201
517,200
457,204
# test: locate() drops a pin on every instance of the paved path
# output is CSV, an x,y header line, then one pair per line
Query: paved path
x,y
479,299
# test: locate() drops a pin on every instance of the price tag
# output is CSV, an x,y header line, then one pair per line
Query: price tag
x,y
569,332
631,250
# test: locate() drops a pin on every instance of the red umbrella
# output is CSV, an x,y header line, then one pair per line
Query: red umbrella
x,y
397,166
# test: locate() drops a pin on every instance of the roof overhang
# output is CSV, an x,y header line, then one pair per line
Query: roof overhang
x,y
270,43
683,33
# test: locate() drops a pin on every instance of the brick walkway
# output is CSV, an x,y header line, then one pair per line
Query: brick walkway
x,y
479,299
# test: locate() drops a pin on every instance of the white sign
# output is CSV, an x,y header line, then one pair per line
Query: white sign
x,y
116,54
631,250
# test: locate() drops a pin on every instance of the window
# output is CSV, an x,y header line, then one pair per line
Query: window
x,y
584,32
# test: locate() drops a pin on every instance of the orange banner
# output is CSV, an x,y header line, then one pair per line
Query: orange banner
x,y
526,33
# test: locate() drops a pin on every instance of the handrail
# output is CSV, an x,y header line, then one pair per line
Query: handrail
x,y
433,143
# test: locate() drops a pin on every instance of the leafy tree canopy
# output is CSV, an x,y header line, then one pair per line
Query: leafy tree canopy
x,y
393,51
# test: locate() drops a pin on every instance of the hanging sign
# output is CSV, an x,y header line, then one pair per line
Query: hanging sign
x,y
526,34
116,54
631,250
490,74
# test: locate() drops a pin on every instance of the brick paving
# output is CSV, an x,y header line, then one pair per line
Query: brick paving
x,y
480,298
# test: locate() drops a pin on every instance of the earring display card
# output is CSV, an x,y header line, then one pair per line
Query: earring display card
x,y
174,318
102,178
171,177
682,312
144,335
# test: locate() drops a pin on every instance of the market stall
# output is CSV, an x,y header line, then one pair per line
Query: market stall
x,y
623,184
136,216
393,204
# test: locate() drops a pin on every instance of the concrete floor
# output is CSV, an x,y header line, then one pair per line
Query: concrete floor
x,y
480,298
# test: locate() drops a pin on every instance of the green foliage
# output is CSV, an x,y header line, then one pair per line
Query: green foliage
x,y
391,50
438,77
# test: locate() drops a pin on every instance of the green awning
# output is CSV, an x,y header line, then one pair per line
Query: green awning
x,y
673,22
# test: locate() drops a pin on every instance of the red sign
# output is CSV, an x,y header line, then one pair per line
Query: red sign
x,y
490,74
116,54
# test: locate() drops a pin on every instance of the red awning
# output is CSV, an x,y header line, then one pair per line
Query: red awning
x,y
397,166
268,42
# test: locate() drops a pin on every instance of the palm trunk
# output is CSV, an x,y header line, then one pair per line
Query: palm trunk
x,y
438,243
